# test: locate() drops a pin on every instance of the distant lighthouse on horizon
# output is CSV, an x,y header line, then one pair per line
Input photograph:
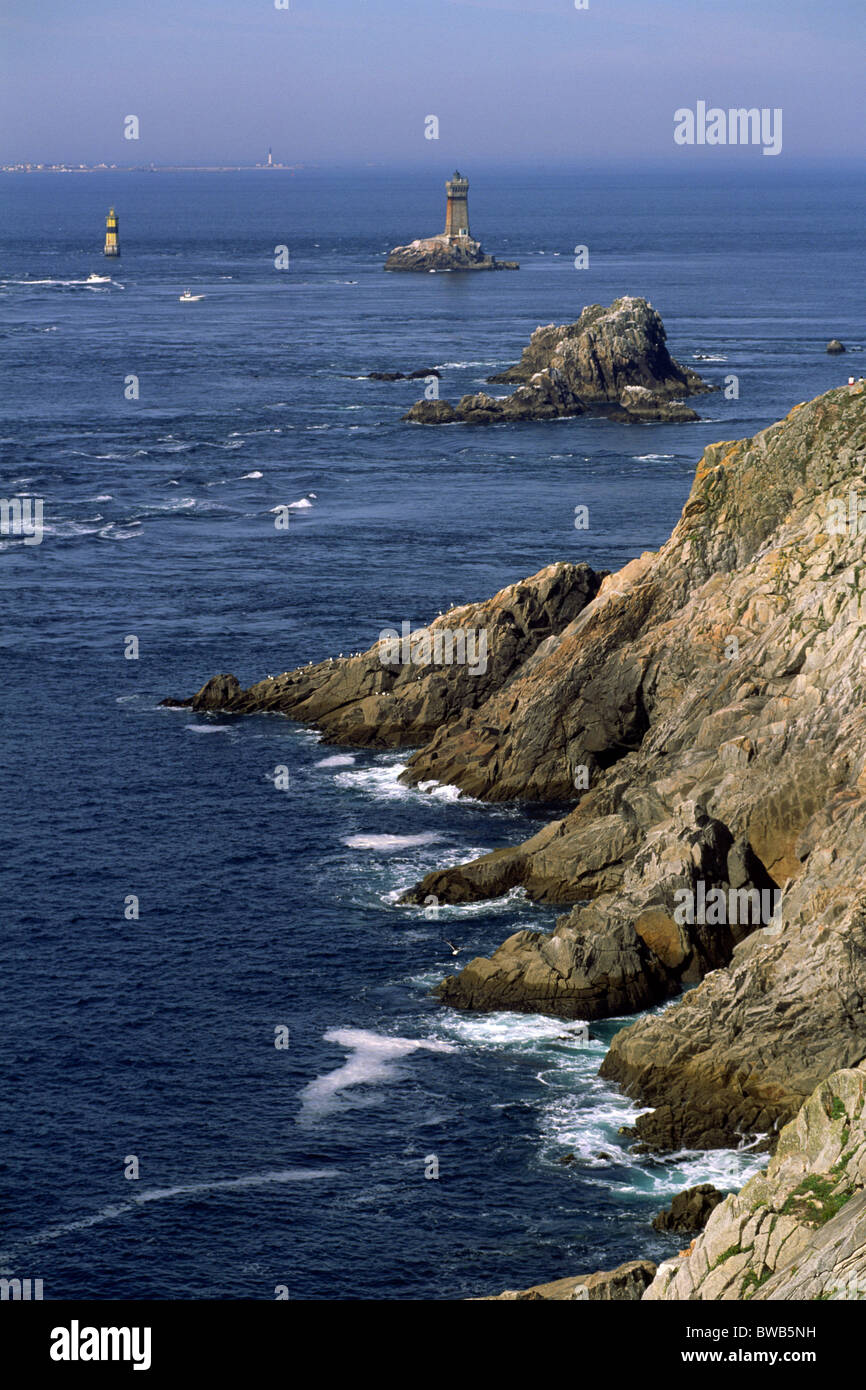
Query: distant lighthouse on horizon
x,y
112,244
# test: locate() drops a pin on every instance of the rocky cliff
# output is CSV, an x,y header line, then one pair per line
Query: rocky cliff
x,y
797,1230
722,678
371,702
611,361
700,716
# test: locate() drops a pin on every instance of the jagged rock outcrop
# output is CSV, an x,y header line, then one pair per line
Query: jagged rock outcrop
x,y
444,253
627,1283
627,949
796,1230
689,1210
611,361
437,672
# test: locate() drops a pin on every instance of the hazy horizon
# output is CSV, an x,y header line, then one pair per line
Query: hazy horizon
x,y
509,81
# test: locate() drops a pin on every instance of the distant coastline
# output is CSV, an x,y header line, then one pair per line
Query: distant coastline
x,y
148,168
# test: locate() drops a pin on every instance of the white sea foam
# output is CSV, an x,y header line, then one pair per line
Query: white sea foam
x,y
441,790
113,532
585,1116
443,912
653,458
251,475
512,1030
441,365
208,728
379,781
372,1059
161,1194
387,842
28,281
338,760
382,781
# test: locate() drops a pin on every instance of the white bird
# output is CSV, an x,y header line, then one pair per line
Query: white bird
x,y
455,950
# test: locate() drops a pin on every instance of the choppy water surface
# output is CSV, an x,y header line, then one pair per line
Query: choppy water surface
x,y
264,909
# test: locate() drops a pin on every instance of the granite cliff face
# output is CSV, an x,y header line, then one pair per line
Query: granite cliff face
x,y
797,1230
704,709
722,677
611,361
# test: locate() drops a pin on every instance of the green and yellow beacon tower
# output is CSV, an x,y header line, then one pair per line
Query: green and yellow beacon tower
x,y
112,245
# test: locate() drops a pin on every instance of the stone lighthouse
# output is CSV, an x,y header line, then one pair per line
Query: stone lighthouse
x,y
112,245
453,249
457,207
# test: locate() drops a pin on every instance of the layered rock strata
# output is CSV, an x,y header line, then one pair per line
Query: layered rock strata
x,y
797,1230
704,709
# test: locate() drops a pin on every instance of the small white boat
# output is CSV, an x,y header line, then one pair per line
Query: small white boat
x,y
95,279
187,298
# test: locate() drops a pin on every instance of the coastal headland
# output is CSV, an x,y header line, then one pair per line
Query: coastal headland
x,y
700,717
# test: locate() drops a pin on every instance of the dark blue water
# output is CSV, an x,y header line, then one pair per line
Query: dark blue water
x,y
262,908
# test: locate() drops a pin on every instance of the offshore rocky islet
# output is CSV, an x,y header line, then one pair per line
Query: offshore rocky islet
x,y
611,361
740,769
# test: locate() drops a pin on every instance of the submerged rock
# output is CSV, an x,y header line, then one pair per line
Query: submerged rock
x,y
612,361
418,373
834,347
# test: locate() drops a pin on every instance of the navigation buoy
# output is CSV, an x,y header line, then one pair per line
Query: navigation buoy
x,y
112,244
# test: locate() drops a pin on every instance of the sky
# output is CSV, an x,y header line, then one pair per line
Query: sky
x,y
351,82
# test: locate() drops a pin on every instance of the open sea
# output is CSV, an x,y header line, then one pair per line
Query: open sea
x,y
147,1044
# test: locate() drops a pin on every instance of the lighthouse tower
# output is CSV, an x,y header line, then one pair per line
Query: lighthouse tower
x,y
457,207
112,245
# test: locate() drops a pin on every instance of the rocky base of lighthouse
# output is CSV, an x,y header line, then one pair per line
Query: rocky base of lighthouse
x,y
444,253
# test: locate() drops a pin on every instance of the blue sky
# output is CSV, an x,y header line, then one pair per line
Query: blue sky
x,y
511,81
